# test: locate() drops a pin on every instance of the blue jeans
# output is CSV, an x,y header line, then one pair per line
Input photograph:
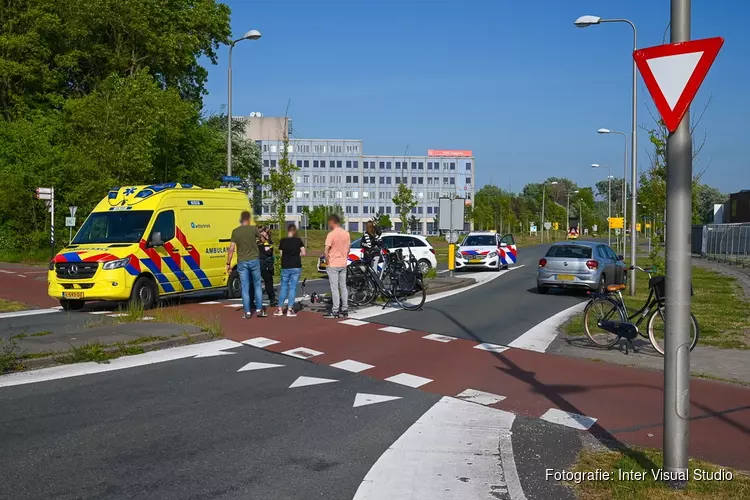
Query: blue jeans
x,y
289,279
250,269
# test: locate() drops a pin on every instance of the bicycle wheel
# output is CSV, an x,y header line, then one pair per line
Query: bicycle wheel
x,y
656,330
602,309
414,300
362,292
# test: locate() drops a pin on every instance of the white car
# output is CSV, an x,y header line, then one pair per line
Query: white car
x,y
486,250
419,246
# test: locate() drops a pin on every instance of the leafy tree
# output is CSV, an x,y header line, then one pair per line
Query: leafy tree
x,y
405,202
707,197
415,223
281,185
317,217
383,221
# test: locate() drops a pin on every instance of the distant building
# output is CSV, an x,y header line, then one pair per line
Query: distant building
x,y
338,172
739,207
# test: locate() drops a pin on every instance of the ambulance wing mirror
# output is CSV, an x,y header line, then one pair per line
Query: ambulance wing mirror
x,y
155,240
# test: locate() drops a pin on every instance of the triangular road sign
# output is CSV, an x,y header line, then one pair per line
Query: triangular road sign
x,y
673,73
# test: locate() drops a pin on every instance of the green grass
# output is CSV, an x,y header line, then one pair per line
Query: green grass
x,y
11,356
33,257
648,488
210,325
41,334
718,304
11,306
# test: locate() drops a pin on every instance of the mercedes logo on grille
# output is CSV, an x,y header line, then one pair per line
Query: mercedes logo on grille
x,y
565,263
73,269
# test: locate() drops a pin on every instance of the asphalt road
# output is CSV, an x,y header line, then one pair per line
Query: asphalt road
x,y
497,312
199,429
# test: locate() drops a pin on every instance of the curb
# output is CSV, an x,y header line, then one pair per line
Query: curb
x,y
49,361
453,286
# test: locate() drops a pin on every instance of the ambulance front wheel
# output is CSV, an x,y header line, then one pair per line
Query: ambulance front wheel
x,y
71,305
144,293
234,287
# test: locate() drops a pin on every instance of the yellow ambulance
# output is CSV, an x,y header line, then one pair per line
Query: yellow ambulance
x,y
141,243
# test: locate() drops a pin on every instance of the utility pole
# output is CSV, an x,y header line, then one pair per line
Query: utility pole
x,y
677,320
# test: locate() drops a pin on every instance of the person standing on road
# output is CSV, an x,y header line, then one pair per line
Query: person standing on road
x,y
244,241
371,245
336,254
292,250
265,251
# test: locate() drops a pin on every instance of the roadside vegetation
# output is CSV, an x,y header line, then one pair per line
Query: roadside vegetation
x,y
648,488
11,306
718,303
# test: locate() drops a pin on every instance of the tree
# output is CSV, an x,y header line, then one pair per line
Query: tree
x,y
707,197
281,184
405,202
415,223
383,221
317,217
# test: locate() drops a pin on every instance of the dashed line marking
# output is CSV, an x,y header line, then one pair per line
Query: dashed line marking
x,y
260,342
21,275
100,312
351,365
7,272
568,419
393,329
491,347
409,380
480,397
209,303
302,353
439,338
353,322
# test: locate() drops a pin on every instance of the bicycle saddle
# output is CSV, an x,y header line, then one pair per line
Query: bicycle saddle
x,y
614,288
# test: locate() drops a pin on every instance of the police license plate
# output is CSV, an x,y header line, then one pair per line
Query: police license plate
x,y
476,261
72,295
565,277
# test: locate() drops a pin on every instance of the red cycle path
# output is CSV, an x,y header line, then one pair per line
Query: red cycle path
x,y
626,402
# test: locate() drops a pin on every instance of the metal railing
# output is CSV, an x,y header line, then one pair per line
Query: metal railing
x,y
727,243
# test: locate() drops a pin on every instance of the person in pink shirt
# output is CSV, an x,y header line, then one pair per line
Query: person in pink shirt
x,y
337,253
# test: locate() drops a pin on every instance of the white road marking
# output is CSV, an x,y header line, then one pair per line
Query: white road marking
x,y
118,315
28,312
353,322
480,397
214,354
482,278
306,381
352,366
7,272
209,303
568,419
302,353
236,306
439,338
100,312
393,329
539,337
450,453
491,347
79,369
409,380
148,318
258,366
362,399
260,342
21,275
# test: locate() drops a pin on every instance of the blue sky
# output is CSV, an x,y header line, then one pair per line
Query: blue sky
x,y
516,82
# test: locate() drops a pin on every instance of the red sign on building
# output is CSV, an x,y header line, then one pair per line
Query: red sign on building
x,y
450,152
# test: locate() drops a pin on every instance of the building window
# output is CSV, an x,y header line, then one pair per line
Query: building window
x,y
265,148
307,163
398,165
429,165
319,148
299,163
468,165
419,210
355,209
338,163
382,179
348,164
387,210
348,179
420,180
420,165
265,163
453,180
273,163
387,165
372,179
387,180
413,165
414,210
355,179
382,165
323,164
366,180
468,181
316,163
356,163
429,210
290,209
266,177
453,165
266,209
306,179
445,180
273,148
429,180
352,148
413,180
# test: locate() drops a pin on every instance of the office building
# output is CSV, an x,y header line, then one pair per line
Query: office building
x,y
339,172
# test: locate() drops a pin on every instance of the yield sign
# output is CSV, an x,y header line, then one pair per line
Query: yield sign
x,y
673,74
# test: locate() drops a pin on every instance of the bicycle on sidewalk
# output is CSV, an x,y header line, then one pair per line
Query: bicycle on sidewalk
x,y
606,319
398,281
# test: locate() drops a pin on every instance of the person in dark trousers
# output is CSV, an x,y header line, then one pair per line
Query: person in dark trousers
x,y
292,250
371,245
244,241
265,254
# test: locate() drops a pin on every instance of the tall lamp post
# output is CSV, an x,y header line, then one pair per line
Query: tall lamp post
x,y
250,35
544,195
609,201
567,209
624,184
584,22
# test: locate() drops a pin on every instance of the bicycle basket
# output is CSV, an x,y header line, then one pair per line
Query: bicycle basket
x,y
659,284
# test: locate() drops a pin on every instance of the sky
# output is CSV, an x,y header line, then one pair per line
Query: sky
x,y
514,81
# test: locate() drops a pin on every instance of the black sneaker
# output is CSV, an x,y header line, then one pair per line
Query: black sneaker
x,y
331,315
344,314
261,314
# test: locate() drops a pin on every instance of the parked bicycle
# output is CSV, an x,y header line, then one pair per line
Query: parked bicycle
x,y
606,318
399,280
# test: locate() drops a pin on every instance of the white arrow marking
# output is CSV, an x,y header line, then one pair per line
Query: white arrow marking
x,y
213,354
257,366
370,399
305,381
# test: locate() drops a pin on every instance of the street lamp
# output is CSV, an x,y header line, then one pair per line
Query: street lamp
x,y
567,209
624,183
584,22
544,195
250,35
609,201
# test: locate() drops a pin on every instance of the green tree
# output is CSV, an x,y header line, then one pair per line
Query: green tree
x,y
383,221
281,185
404,202
317,217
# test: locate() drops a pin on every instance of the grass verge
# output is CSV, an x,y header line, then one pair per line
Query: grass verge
x,y
11,306
718,304
646,463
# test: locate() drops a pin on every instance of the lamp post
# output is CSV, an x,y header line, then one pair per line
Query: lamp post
x,y
580,216
250,35
609,201
624,183
567,209
584,22
544,195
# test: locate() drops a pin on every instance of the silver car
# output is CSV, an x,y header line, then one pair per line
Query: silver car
x,y
579,264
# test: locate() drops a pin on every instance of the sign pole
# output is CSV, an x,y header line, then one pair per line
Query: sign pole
x,y
52,224
677,320
451,245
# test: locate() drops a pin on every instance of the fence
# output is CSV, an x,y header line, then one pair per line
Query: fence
x,y
724,242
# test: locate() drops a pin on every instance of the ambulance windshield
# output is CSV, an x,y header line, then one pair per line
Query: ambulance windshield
x,y
113,227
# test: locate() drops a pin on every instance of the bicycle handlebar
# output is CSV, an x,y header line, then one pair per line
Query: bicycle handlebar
x,y
647,270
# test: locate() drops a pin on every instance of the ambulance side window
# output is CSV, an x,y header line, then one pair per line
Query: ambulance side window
x,y
164,224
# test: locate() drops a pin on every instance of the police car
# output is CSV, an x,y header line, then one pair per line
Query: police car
x,y
486,251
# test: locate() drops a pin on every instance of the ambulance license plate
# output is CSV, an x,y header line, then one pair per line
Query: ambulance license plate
x,y
72,295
